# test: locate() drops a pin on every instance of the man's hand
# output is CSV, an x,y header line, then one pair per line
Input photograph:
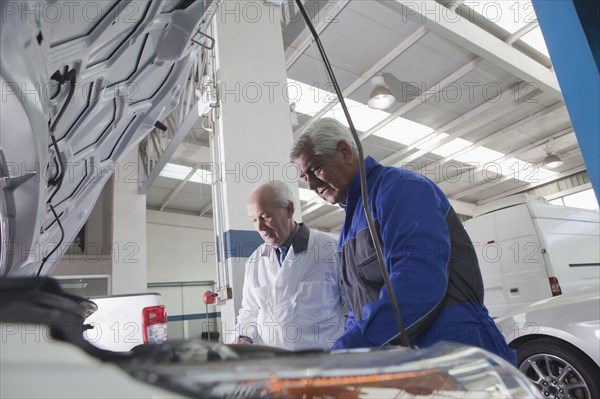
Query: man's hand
x,y
243,340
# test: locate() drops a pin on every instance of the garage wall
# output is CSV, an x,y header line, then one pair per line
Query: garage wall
x,y
180,248
181,267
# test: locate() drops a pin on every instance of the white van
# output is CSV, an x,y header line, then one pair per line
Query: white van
x,y
529,250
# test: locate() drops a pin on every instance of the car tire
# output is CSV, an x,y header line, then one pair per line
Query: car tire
x,y
559,369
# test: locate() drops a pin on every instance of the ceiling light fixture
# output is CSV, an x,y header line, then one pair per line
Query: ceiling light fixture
x,y
552,161
381,97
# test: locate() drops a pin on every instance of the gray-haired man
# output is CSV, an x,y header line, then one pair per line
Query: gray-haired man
x,y
291,296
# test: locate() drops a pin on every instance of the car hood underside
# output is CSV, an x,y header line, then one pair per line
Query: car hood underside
x,y
95,76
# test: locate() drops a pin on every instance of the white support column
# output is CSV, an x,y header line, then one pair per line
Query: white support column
x,y
254,132
129,230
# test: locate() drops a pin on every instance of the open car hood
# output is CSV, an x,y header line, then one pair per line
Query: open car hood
x,y
97,75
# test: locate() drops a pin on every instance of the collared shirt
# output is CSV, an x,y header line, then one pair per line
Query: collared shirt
x,y
283,249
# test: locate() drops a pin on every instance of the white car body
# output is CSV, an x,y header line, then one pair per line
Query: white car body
x,y
118,324
574,319
35,365
558,344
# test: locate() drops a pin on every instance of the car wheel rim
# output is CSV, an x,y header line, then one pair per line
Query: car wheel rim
x,y
555,377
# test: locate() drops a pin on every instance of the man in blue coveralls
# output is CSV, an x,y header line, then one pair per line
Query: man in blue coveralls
x,y
429,256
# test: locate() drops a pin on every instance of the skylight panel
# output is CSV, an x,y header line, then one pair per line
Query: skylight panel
x,y
542,173
451,147
180,172
509,15
307,195
479,156
536,40
524,171
174,171
363,116
203,176
308,99
403,131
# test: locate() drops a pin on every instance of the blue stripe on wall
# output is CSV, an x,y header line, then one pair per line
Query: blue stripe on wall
x,y
194,316
241,243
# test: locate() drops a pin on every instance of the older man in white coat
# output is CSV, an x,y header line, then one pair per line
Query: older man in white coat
x,y
291,296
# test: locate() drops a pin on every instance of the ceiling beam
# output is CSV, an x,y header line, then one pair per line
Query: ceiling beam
x,y
453,27
569,191
314,207
425,149
192,153
321,21
529,186
451,4
487,184
521,150
206,208
499,102
479,109
521,32
329,214
492,137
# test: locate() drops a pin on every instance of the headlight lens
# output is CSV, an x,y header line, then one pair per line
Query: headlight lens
x,y
220,371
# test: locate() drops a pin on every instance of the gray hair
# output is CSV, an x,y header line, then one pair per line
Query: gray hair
x,y
322,137
282,195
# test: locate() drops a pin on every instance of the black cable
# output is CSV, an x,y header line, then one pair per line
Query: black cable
x,y
71,76
62,237
58,77
404,341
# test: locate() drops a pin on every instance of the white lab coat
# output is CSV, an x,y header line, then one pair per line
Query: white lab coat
x,y
296,305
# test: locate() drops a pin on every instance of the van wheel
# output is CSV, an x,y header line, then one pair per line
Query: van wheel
x,y
558,369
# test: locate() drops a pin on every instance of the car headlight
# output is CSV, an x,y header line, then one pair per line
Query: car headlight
x,y
245,371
